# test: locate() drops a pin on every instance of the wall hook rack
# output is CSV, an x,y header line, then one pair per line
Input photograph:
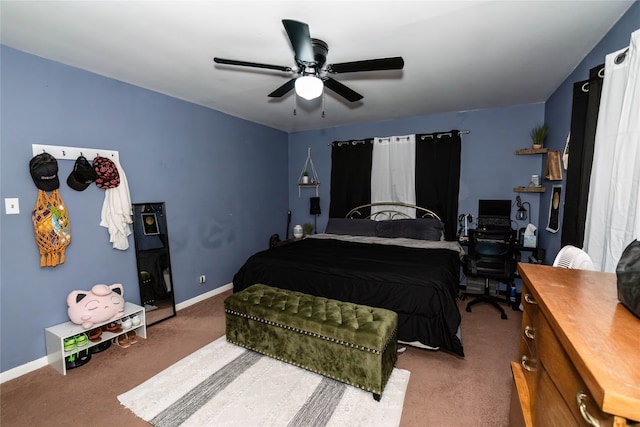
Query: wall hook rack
x,y
72,153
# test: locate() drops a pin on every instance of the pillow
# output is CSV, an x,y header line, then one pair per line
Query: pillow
x,y
421,229
353,227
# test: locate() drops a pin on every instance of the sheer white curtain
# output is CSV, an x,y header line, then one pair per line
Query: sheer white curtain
x,y
613,210
393,171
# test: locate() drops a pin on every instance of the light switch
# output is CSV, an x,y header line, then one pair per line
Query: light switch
x,y
11,206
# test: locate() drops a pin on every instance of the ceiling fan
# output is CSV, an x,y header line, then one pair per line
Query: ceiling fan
x,y
311,72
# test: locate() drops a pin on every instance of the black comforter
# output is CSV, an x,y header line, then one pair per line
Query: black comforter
x,y
419,284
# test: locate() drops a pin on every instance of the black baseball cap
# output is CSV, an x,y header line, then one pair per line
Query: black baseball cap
x,y
44,171
82,174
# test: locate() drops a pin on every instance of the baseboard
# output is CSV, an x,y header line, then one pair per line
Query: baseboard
x,y
204,296
42,362
23,369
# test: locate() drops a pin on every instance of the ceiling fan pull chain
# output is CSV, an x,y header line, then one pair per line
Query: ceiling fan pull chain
x,y
323,104
295,102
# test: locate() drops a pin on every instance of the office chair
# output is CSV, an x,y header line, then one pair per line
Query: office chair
x,y
491,255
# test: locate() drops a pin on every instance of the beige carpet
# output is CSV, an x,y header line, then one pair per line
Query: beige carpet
x,y
443,390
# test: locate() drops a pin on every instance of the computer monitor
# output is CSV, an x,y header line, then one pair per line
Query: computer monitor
x,y
494,213
494,208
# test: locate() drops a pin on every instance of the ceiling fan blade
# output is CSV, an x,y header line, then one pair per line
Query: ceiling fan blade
x,y
283,90
395,63
342,90
251,64
298,33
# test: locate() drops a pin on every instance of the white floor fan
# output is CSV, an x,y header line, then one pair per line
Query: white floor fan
x,y
572,257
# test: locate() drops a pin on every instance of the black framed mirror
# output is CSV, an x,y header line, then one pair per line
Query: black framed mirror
x,y
153,260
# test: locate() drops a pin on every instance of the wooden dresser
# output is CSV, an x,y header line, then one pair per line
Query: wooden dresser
x,y
579,351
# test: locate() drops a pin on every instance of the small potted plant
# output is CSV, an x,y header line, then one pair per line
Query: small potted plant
x,y
308,229
305,177
538,135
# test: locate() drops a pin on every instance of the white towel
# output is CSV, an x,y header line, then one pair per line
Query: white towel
x,y
117,211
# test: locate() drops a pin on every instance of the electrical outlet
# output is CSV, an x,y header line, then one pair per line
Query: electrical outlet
x,y
203,279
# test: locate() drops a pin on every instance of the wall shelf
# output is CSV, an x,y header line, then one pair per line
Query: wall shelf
x,y
525,151
539,189
530,189
314,182
309,185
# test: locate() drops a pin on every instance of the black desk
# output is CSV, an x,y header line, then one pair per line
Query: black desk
x,y
518,248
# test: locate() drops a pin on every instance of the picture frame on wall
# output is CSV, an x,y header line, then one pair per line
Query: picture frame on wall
x,y
150,224
553,225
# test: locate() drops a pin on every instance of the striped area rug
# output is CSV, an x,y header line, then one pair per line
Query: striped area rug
x,y
225,385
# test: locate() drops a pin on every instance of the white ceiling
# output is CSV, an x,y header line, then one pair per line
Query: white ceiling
x,y
459,55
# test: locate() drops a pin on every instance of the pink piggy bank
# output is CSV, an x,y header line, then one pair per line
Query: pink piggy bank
x,y
100,305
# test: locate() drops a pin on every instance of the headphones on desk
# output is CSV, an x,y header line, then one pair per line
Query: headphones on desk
x,y
464,220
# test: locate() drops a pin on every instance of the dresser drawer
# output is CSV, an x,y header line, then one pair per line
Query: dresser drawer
x,y
529,356
520,407
566,378
551,409
530,307
582,336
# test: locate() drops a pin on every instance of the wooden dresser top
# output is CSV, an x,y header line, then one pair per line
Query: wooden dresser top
x,y
599,334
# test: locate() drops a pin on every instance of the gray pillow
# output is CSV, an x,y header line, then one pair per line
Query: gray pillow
x,y
420,229
352,227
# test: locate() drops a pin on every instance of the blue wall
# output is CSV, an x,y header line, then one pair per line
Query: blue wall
x,y
490,169
223,180
226,182
558,108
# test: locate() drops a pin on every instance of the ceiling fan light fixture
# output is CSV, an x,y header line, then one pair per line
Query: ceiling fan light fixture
x,y
309,87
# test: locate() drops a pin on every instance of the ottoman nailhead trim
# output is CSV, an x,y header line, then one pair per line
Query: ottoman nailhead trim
x,y
368,319
302,331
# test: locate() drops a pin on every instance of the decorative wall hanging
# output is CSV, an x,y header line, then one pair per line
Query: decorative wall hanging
x,y
150,223
553,167
554,209
51,228
308,175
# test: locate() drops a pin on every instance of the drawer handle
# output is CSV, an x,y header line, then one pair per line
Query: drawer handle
x,y
581,397
529,299
524,361
530,332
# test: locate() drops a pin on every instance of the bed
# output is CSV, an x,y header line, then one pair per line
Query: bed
x,y
382,258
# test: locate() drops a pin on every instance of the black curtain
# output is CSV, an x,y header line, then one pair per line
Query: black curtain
x,y
438,176
350,176
584,118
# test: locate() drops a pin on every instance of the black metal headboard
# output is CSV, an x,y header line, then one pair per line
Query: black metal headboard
x,y
388,210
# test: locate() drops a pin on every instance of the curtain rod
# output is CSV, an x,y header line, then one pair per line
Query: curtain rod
x,y
364,141
356,142
441,134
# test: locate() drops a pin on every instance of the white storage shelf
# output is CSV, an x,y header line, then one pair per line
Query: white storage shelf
x,y
55,336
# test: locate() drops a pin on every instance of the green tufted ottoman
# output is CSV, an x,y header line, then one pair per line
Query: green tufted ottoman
x,y
351,343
